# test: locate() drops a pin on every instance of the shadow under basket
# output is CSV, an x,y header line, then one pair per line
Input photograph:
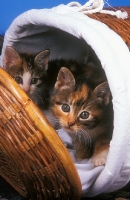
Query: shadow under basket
x,y
33,159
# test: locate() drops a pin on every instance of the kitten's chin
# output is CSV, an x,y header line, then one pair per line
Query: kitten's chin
x,y
68,130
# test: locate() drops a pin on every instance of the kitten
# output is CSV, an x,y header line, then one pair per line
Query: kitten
x,y
94,74
84,112
29,71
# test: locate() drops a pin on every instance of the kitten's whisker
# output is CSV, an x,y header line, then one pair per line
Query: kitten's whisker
x,y
87,140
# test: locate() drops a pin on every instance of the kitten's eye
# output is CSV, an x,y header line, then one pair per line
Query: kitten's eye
x,y
34,80
65,107
18,79
84,115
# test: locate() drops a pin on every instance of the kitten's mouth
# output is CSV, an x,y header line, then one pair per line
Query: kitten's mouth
x,y
69,129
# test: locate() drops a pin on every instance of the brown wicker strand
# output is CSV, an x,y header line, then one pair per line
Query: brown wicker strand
x,y
31,150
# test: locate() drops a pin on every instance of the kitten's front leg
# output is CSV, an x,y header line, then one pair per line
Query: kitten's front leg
x,y
100,154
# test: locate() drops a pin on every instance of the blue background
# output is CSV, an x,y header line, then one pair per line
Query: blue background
x,y
9,9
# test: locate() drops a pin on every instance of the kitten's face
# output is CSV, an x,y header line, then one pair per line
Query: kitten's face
x,y
29,71
27,76
81,111
78,110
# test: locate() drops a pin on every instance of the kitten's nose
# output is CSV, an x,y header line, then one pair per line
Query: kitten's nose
x,y
26,88
71,123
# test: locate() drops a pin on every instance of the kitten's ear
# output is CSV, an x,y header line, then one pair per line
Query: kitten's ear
x,y
11,58
42,59
65,79
103,93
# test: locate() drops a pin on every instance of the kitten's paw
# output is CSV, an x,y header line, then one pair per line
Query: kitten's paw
x,y
99,161
100,158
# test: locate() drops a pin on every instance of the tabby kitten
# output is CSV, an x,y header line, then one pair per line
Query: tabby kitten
x,y
29,71
85,113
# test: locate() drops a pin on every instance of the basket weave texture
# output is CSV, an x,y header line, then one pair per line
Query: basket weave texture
x,y
32,157
120,26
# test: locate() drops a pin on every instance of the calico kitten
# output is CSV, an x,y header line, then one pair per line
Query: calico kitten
x,y
29,71
84,112
94,74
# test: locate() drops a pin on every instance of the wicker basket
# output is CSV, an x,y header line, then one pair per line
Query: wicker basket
x,y
33,159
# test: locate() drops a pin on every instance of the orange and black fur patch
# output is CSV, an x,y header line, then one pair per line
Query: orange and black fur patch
x,y
85,113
